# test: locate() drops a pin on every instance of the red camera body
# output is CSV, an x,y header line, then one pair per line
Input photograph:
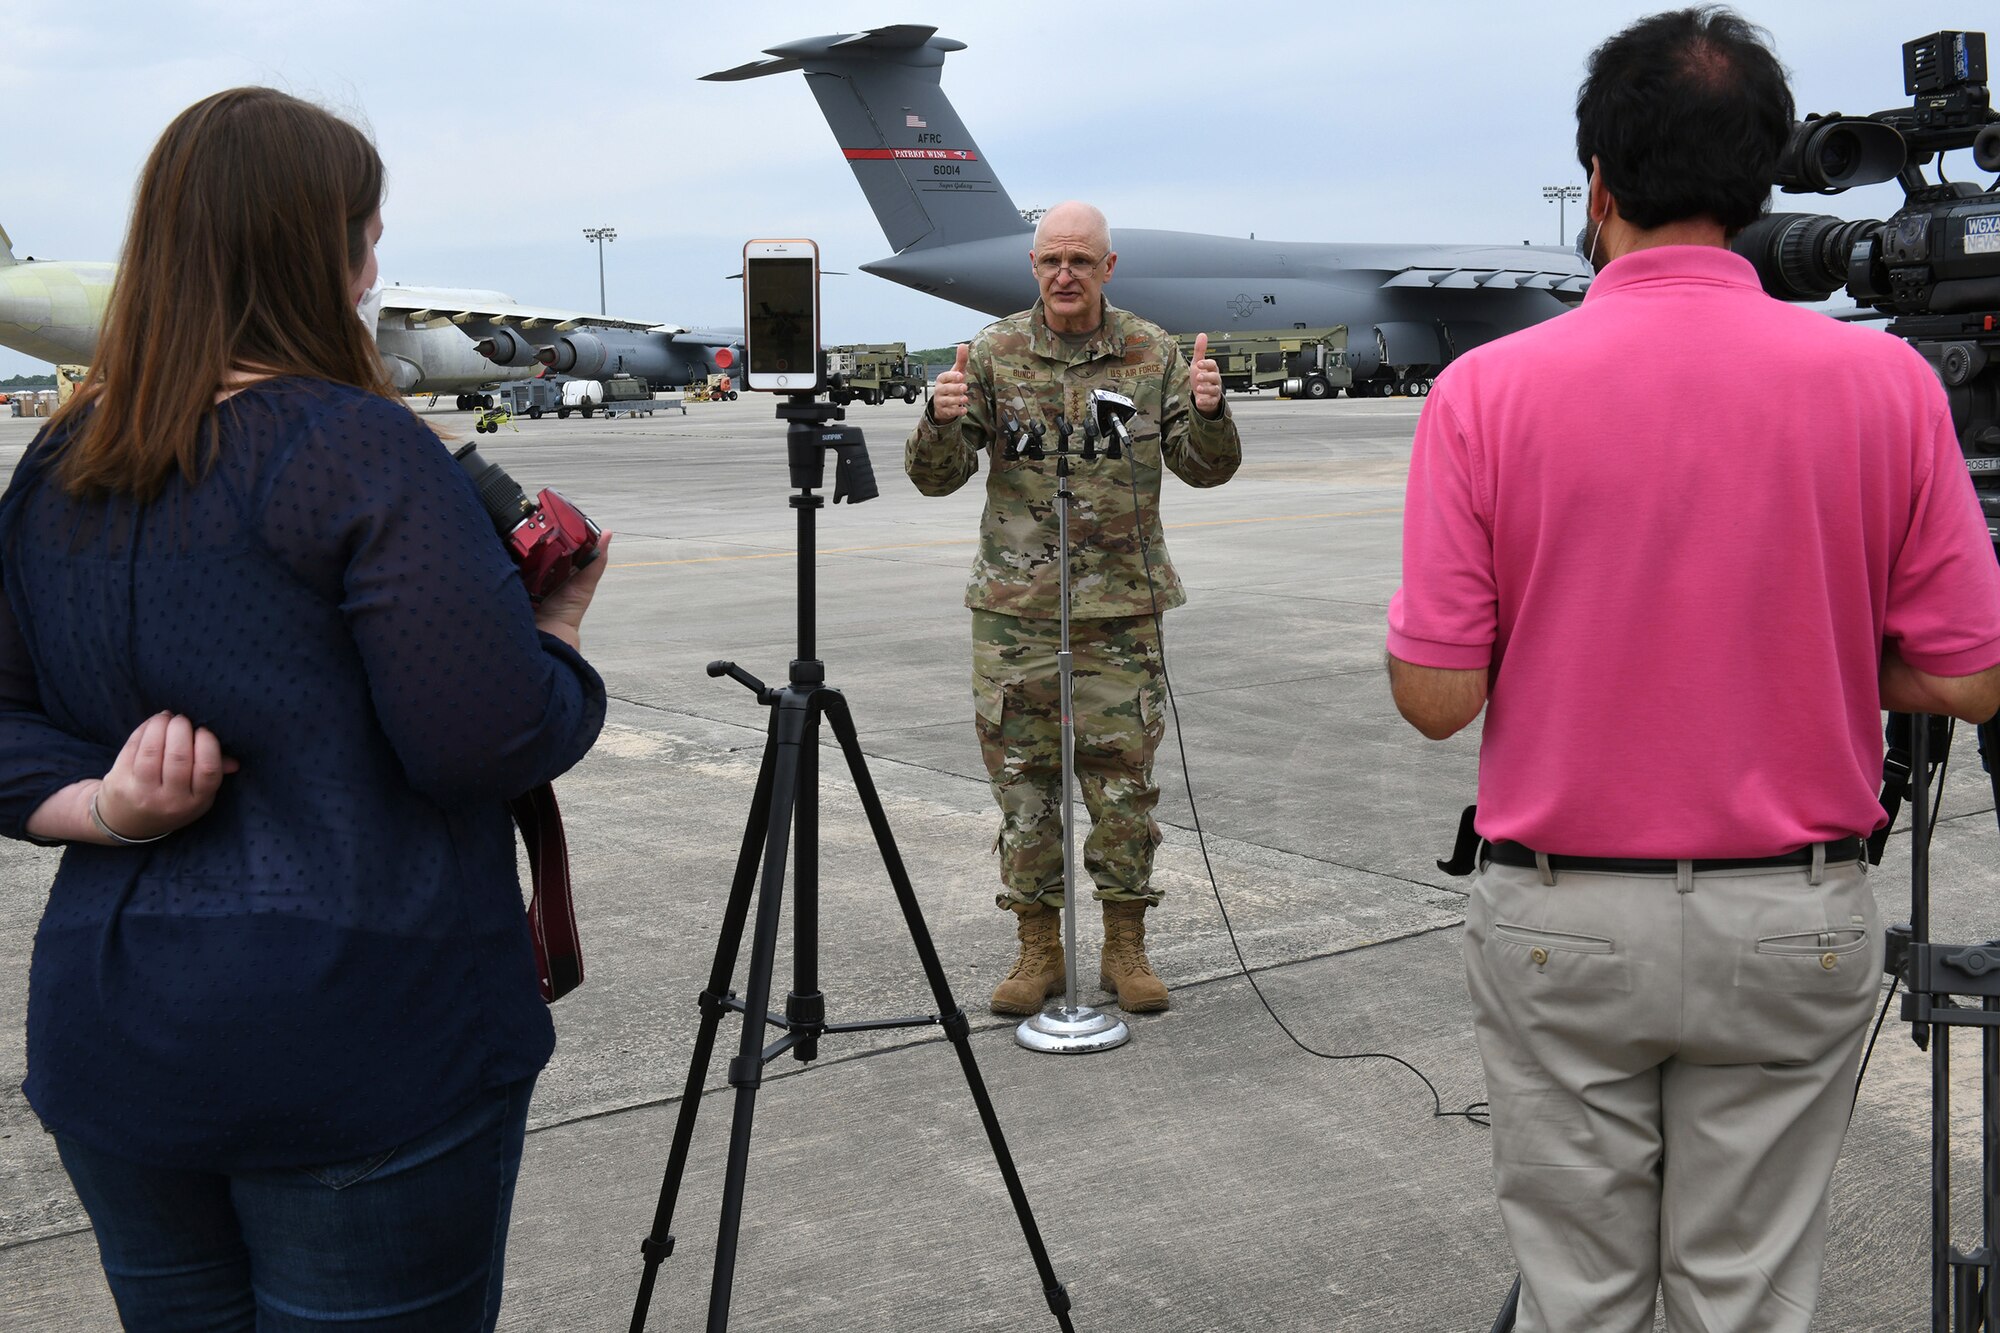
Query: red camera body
x,y
554,541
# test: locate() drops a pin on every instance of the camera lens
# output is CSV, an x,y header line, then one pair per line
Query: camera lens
x,y
499,494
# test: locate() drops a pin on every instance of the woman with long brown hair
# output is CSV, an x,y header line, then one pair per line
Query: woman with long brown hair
x,y
268,675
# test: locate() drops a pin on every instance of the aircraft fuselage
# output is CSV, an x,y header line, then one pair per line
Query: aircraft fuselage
x,y
1189,283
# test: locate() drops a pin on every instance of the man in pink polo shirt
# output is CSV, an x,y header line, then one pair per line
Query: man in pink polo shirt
x,y
1684,545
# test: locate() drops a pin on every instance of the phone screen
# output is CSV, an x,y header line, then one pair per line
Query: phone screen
x,y
782,336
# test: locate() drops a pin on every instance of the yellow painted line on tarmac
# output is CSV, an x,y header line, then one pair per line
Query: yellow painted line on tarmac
x,y
967,541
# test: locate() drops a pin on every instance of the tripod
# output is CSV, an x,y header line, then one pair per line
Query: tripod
x,y
1937,980
785,811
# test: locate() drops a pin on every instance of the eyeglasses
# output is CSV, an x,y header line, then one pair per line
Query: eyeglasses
x,y
1081,265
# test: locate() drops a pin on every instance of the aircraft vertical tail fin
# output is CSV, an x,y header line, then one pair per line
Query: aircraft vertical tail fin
x,y
6,249
924,176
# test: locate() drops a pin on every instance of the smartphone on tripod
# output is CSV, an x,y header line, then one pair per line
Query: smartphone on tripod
x,y
781,316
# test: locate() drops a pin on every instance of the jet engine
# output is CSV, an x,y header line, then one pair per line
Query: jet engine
x,y
593,354
506,347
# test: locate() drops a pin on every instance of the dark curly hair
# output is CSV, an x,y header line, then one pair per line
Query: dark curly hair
x,y
1686,113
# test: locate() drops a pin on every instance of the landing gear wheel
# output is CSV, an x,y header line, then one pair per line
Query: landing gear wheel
x,y
486,401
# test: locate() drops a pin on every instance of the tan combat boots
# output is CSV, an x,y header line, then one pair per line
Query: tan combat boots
x,y
1038,972
1122,968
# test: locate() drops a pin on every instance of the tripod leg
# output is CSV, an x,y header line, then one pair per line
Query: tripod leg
x,y
805,1007
1941,1272
746,1071
1989,1137
660,1243
952,1018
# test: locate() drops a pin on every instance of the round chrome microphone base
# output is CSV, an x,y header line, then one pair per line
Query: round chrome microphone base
x,y
1061,1030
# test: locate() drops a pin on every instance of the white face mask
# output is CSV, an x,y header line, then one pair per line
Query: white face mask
x,y
1586,242
369,311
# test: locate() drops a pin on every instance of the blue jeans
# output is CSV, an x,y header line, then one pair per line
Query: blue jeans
x,y
408,1239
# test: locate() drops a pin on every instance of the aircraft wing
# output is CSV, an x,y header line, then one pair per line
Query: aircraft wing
x,y
1566,286
482,311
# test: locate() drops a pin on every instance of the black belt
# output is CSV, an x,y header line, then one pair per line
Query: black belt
x,y
1514,854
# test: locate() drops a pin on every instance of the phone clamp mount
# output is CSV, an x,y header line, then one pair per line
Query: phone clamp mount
x,y
784,818
810,434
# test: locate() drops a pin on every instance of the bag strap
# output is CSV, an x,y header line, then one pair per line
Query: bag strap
x,y
551,913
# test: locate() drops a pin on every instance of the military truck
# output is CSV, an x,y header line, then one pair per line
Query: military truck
x,y
1299,363
873,373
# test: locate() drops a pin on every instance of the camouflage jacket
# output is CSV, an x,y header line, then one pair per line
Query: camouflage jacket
x,y
1017,368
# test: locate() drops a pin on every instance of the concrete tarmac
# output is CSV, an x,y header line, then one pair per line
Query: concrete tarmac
x,y
1210,1175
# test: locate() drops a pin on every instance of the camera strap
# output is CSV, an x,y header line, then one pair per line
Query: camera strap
x,y
1898,781
1465,848
551,914
1895,786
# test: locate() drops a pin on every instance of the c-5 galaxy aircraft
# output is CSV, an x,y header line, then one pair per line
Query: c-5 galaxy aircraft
x,y
51,311
1408,308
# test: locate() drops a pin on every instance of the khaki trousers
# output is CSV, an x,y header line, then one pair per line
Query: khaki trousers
x,y
1670,1061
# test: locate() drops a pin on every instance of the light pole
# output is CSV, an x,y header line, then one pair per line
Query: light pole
x,y
600,235
1559,195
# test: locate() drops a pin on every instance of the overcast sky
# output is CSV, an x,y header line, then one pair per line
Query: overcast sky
x,y
508,127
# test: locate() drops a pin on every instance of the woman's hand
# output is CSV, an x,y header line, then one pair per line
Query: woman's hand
x,y
164,779
561,612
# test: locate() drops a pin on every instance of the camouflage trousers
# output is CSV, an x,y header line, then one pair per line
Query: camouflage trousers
x,y
1120,699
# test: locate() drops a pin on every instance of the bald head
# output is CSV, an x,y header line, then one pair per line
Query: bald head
x,y
1075,220
1071,261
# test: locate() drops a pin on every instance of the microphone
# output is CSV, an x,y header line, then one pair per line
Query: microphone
x,y
1016,437
1111,411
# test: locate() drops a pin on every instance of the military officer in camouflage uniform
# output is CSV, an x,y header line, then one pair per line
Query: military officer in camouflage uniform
x,y
1030,367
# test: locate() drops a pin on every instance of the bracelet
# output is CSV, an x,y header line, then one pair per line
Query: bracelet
x,y
114,834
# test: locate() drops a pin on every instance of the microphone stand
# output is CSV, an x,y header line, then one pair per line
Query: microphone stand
x,y
1071,1027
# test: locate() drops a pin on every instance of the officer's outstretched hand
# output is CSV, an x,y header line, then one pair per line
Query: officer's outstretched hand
x,y
1204,379
948,396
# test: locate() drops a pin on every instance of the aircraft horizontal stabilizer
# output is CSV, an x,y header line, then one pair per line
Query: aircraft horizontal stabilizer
x,y
908,38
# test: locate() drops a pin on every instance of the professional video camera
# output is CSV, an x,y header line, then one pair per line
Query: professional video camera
x,y
1934,266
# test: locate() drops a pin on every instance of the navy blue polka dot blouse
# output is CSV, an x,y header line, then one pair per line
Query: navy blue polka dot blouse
x,y
335,958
